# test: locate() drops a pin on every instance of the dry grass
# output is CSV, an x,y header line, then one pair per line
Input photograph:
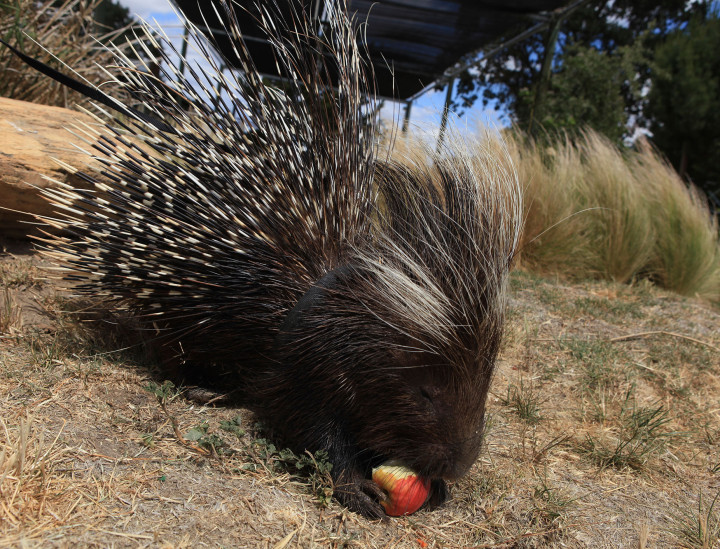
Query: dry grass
x,y
593,212
31,492
10,313
603,432
19,271
67,30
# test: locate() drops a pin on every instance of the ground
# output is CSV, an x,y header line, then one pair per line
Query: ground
x,y
603,431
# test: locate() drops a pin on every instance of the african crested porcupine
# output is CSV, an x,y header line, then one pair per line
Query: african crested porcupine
x,y
357,301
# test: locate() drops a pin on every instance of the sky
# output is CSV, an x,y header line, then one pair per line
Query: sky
x,y
426,112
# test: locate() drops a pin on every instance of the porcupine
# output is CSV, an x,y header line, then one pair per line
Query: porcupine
x,y
357,301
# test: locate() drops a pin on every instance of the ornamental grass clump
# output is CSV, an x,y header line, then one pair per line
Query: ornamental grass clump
x,y
593,211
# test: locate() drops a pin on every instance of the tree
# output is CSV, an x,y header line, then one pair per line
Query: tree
x,y
684,101
586,90
111,16
610,29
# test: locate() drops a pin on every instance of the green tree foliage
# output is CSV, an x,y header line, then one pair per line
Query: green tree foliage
x,y
111,16
586,91
599,67
684,102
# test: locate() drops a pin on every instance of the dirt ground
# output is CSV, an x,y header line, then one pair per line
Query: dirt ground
x,y
604,431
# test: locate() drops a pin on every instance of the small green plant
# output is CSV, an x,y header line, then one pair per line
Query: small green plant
x,y
233,426
148,440
540,452
596,359
668,353
211,442
522,279
642,434
165,393
550,295
488,483
612,308
524,401
87,369
312,470
550,503
698,530
316,469
46,354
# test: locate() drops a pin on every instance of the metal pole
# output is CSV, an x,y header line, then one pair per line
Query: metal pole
x,y
406,120
476,63
446,111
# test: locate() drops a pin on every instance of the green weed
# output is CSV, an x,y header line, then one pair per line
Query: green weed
x,y
550,502
612,309
524,401
597,360
641,435
312,470
700,529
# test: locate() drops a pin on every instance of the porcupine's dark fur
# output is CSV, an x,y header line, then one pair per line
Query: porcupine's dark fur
x,y
358,301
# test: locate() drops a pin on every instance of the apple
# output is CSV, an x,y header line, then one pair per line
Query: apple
x,y
406,490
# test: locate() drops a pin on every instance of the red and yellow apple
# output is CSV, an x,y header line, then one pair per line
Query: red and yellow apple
x,y
406,490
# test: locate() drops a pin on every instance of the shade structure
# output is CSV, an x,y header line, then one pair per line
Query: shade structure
x,y
411,43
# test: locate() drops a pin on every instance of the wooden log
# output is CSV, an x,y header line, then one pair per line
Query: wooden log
x,y
31,137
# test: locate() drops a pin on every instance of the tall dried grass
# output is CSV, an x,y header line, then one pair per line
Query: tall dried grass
x,y
67,30
686,253
593,211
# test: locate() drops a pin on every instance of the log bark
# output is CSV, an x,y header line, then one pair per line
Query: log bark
x,y
31,137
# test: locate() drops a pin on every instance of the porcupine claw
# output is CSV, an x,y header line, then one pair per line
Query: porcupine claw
x,y
369,496
361,495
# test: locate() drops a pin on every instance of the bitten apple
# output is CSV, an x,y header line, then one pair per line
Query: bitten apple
x,y
406,490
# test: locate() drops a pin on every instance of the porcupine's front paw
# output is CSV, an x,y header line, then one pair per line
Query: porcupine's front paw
x,y
360,495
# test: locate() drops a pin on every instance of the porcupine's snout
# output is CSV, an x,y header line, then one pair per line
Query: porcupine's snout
x,y
445,439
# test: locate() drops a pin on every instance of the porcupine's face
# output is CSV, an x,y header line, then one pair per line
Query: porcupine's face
x,y
416,407
430,413
417,399
441,436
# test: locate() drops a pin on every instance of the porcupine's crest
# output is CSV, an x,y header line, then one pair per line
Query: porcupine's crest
x,y
452,225
228,204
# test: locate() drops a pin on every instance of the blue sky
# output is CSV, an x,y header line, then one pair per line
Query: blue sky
x,y
426,111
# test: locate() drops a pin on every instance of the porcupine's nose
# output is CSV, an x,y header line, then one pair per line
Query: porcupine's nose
x,y
464,454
